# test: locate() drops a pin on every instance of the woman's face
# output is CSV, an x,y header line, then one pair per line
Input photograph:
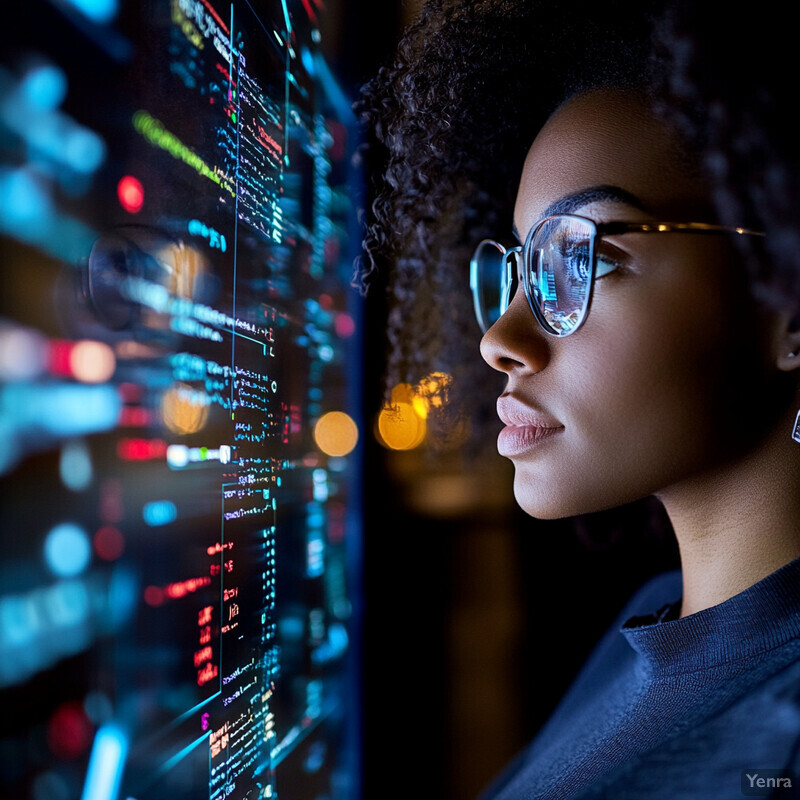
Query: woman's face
x,y
656,388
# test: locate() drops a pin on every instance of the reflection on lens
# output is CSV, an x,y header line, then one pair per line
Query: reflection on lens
x,y
489,281
559,272
491,271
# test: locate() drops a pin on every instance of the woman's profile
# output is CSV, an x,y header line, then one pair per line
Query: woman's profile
x,y
619,189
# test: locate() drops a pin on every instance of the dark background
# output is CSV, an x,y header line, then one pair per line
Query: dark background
x,y
477,617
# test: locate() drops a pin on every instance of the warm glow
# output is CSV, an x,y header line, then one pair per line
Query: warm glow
x,y
403,393
335,433
431,391
400,427
402,423
182,411
92,362
184,266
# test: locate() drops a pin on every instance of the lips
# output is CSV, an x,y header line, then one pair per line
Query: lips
x,y
526,427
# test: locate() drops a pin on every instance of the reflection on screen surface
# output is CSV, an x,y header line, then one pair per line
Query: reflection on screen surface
x,y
179,354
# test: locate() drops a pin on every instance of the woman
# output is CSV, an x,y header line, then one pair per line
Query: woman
x,y
647,325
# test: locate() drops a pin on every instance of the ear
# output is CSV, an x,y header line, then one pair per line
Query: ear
x,y
788,342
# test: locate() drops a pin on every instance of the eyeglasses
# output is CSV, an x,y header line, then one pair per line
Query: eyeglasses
x,y
557,267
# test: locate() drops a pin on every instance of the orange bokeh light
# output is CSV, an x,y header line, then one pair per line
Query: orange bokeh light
x,y
335,433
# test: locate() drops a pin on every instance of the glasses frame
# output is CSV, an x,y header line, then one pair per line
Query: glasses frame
x,y
599,229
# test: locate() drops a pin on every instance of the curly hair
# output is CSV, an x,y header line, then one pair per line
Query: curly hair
x,y
451,119
732,94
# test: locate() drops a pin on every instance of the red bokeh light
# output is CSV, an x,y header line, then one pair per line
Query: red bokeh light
x,y
131,194
109,543
59,357
69,731
345,325
153,596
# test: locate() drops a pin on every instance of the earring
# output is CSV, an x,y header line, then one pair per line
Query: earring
x,y
796,430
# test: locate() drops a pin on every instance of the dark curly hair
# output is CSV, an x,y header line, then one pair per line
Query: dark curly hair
x,y
450,121
730,85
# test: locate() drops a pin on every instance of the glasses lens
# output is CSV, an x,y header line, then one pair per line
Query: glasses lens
x,y
558,272
490,280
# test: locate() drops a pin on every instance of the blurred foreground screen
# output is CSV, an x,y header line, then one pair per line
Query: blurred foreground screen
x,y
179,414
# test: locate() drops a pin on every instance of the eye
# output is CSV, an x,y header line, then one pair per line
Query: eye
x,y
606,263
576,257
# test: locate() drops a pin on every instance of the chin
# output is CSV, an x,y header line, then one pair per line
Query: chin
x,y
541,499
553,497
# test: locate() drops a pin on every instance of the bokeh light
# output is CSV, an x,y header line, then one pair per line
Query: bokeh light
x,y
92,362
131,194
43,87
335,433
75,465
67,550
431,392
400,427
109,543
69,731
344,325
100,11
403,423
83,150
23,353
402,393
23,200
182,410
159,512
106,763
154,596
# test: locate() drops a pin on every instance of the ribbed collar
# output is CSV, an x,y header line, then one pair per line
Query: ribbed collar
x,y
761,618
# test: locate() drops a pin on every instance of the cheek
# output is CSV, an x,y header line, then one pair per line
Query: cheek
x,y
650,392
652,402
672,378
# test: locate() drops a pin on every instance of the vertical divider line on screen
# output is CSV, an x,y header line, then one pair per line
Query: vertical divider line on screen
x,y
237,123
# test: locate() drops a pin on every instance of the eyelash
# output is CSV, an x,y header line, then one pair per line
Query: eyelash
x,y
578,250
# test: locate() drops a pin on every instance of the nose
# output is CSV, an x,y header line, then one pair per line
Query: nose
x,y
516,343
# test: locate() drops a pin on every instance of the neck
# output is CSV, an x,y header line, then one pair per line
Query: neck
x,y
737,524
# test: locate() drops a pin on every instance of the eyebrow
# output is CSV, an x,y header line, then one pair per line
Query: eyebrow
x,y
594,194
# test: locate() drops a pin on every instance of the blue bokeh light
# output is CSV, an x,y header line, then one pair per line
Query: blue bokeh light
x,y
22,199
106,764
100,11
44,87
67,550
75,466
159,512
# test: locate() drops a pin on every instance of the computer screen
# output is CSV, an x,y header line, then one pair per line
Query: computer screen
x,y
180,358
